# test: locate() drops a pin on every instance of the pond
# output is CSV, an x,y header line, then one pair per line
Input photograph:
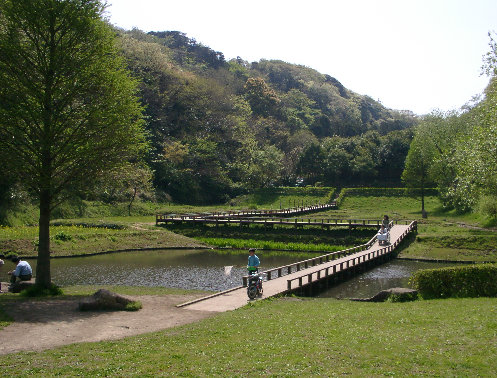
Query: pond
x,y
212,270
394,273
184,269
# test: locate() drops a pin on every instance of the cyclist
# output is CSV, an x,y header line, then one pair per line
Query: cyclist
x,y
253,262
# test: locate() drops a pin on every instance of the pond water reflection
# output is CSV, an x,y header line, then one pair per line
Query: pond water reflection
x,y
207,270
185,269
394,273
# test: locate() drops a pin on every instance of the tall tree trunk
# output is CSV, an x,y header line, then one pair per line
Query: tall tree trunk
x,y
135,189
43,277
423,212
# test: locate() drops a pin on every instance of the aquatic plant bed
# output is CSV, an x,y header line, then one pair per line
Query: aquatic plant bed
x,y
277,238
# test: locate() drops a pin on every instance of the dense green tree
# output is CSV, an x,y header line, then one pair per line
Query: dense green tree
x,y
392,153
68,107
416,174
125,183
338,170
265,168
476,155
311,164
262,98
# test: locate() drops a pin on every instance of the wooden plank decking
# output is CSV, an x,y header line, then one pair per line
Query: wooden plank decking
x,y
268,221
237,297
173,218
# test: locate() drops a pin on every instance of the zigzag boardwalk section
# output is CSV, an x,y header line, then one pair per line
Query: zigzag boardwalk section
x,y
248,215
268,222
303,274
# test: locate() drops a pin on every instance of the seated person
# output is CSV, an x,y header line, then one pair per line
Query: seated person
x,y
383,230
382,234
22,271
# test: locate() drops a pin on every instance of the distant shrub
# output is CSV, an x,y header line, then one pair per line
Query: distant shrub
x,y
37,291
62,236
302,191
457,282
488,206
112,226
133,306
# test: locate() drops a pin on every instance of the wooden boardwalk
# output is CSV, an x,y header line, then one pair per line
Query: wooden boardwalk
x,y
303,273
247,214
268,222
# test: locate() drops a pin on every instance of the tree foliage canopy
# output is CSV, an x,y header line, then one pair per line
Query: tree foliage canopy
x,y
68,106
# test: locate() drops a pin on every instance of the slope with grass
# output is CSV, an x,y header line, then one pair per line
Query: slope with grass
x,y
289,337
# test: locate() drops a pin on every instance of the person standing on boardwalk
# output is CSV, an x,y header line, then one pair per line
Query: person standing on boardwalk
x,y
253,262
385,222
1,264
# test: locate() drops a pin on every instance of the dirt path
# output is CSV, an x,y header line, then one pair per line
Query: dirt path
x,y
50,323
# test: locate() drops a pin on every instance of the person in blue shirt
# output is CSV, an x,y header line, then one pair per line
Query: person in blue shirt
x,y
253,262
22,271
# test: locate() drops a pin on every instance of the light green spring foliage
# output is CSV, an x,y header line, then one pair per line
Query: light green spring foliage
x,y
459,150
69,110
68,106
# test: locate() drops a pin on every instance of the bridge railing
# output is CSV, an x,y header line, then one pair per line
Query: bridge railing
x,y
334,268
304,264
254,213
166,218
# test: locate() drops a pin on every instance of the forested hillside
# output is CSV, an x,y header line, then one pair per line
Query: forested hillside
x,y
217,126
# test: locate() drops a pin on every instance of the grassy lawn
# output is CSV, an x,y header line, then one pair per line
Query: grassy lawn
x,y
289,337
442,236
69,240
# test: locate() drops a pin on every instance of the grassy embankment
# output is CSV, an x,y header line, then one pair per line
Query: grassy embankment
x,y
320,337
105,228
442,236
289,337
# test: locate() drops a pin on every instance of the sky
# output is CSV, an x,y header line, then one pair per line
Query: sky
x,y
417,55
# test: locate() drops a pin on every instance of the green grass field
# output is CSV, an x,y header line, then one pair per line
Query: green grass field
x,y
444,235
290,337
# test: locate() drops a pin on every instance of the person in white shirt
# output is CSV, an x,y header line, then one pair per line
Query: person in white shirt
x,y
22,271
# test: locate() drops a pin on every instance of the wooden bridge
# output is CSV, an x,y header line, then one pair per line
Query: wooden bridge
x,y
304,274
232,216
268,222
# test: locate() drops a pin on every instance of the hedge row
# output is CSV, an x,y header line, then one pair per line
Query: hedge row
x,y
290,190
457,282
327,193
384,192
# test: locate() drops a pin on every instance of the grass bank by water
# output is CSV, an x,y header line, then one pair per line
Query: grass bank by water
x,y
444,235
94,237
289,337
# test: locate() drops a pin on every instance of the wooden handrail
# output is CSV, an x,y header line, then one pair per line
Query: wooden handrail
x,y
412,226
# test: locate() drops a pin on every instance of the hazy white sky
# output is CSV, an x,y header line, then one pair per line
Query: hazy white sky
x,y
409,54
